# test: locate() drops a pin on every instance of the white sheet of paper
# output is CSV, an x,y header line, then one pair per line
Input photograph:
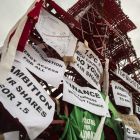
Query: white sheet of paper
x,y
138,120
88,65
131,104
56,34
131,133
11,135
121,94
137,109
125,77
26,100
84,97
37,62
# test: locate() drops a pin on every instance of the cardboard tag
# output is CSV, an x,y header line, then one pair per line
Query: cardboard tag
x,y
130,120
1,137
86,44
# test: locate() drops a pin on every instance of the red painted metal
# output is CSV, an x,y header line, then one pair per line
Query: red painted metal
x,y
105,26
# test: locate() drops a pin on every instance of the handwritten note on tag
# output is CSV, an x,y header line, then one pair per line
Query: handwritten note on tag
x,y
56,34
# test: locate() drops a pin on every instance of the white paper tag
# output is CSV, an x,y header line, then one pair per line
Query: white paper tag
x,y
56,34
125,77
26,100
121,94
131,103
131,133
88,65
11,135
84,97
137,109
37,62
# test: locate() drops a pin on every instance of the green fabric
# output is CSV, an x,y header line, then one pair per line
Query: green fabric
x,y
27,138
76,129
115,125
112,108
111,122
81,125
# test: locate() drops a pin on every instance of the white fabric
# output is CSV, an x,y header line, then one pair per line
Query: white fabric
x,y
11,135
37,62
118,119
8,54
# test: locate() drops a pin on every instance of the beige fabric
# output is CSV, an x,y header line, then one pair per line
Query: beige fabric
x,y
4,50
76,48
12,30
101,78
105,91
8,53
58,106
106,78
86,44
101,125
68,59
